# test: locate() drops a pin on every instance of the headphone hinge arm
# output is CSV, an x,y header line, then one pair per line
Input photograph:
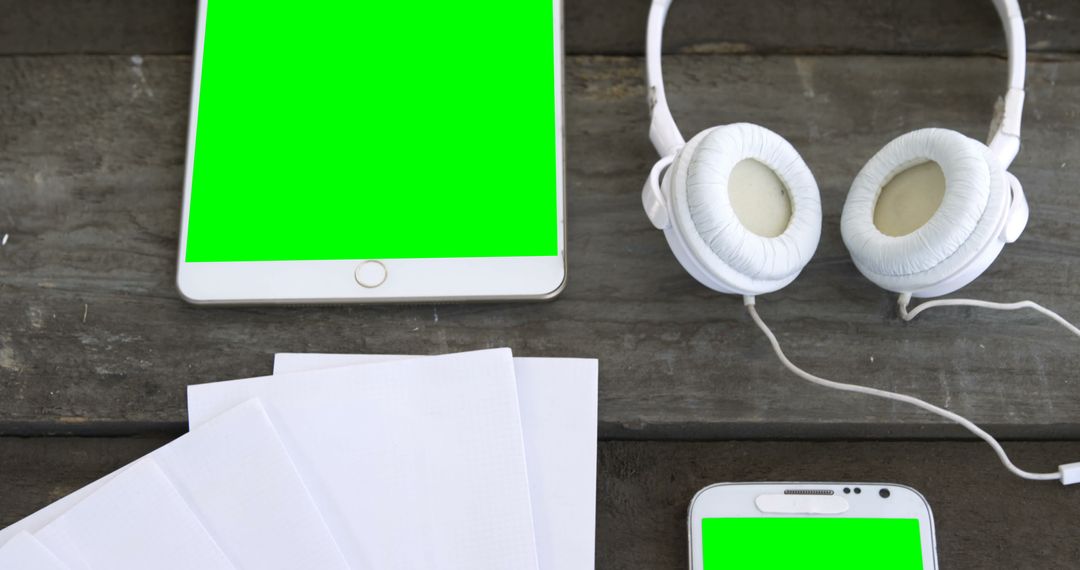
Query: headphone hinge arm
x,y
652,197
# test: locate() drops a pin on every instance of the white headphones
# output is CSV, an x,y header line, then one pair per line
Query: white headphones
x,y
983,206
701,195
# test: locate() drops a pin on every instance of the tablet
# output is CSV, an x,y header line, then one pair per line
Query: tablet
x,y
344,151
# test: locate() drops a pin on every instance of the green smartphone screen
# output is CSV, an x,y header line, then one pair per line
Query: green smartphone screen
x,y
811,544
339,130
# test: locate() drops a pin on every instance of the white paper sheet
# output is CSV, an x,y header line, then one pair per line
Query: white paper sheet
x,y
24,552
39,519
135,521
413,464
236,476
558,400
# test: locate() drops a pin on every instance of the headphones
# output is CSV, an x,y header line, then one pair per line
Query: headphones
x,y
926,216
722,198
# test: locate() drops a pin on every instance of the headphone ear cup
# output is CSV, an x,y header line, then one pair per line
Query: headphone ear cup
x,y
960,238
706,231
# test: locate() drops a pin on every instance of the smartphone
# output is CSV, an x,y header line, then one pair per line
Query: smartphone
x,y
839,526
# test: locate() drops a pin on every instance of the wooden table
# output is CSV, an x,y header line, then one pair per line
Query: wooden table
x,y
96,347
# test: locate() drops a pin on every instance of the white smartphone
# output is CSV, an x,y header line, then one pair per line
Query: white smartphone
x,y
838,526
343,151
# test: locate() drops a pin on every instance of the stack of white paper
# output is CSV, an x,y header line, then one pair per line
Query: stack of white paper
x,y
474,460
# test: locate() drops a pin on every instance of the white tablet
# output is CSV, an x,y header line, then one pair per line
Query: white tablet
x,y
344,151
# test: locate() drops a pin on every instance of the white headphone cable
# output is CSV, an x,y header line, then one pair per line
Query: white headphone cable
x,y
1067,474
905,299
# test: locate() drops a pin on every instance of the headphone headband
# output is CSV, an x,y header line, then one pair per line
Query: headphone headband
x,y
1005,128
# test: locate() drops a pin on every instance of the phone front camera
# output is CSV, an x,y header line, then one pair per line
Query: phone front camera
x,y
884,493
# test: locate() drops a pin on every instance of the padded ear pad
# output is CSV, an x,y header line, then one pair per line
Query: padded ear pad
x,y
960,239
707,235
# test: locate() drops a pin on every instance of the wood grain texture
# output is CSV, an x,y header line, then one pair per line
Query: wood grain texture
x,y
600,26
97,26
95,339
985,517
822,26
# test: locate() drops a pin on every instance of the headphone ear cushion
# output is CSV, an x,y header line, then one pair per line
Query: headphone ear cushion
x,y
966,222
702,210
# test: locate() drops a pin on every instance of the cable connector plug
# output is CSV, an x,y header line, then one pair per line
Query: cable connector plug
x,y
902,303
1070,473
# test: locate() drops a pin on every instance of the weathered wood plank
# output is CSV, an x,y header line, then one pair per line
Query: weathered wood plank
x,y
985,517
600,26
97,26
821,26
95,339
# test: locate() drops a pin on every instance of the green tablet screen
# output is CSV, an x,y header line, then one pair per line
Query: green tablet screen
x,y
811,544
343,130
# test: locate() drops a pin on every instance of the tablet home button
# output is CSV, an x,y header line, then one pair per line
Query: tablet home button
x,y
371,274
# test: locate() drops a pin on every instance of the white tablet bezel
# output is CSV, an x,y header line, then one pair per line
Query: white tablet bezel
x,y
407,280
737,500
